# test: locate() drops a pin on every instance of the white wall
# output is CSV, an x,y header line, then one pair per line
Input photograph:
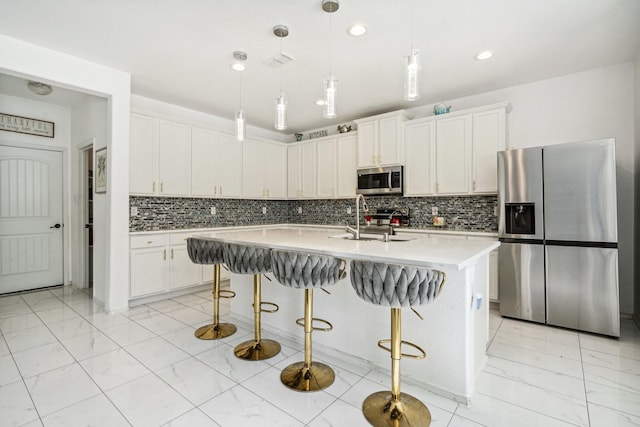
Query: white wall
x,y
636,294
88,123
587,105
27,60
190,117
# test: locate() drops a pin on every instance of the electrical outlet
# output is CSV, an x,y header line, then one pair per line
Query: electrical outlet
x,y
264,210
434,210
213,210
134,211
299,209
349,209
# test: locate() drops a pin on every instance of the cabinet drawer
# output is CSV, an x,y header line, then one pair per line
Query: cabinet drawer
x,y
179,238
148,241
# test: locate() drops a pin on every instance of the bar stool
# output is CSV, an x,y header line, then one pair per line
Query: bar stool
x,y
396,286
206,251
244,259
306,271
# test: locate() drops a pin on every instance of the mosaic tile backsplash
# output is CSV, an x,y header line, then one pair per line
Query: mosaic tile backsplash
x,y
464,213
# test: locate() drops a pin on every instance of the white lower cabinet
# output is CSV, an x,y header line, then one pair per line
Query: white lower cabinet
x,y
160,263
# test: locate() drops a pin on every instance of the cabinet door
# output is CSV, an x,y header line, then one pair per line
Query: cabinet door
x,y
390,145
275,170
229,166
174,158
368,144
488,139
452,155
148,271
204,162
308,170
347,148
182,271
142,154
420,165
252,169
326,168
294,176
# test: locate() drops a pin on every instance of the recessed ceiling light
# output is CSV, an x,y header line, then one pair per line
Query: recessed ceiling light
x,y
237,66
357,29
485,54
320,102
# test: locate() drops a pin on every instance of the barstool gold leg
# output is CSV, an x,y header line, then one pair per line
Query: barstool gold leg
x,y
215,330
394,409
257,349
305,376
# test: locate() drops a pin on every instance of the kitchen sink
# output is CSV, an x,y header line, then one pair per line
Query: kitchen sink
x,y
372,237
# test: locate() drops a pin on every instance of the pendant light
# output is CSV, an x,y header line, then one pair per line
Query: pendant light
x,y
241,120
281,31
412,69
330,84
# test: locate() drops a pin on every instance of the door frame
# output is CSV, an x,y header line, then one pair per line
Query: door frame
x,y
66,218
83,251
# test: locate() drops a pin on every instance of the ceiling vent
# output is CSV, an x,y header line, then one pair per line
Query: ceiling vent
x,y
279,60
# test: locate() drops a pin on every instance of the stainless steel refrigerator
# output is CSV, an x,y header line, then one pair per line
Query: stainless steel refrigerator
x,y
558,260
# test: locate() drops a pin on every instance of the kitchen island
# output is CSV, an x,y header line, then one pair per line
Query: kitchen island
x,y
455,328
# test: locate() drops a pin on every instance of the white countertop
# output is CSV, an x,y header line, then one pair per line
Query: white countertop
x,y
425,251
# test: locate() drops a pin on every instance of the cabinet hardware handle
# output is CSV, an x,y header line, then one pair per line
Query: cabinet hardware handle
x,y
215,189
164,254
437,187
161,185
153,190
474,185
171,253
221,190
149,242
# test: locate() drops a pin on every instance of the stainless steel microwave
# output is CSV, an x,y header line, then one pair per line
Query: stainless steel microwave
x,y
382,180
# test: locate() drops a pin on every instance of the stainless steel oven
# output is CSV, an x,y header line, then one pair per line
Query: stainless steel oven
x,y
382,180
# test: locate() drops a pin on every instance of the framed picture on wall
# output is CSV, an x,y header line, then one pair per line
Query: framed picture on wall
x,y
100,172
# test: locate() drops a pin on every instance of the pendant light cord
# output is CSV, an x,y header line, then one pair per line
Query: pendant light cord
x,y
412,23
330,46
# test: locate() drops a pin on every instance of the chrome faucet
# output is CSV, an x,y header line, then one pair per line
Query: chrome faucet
x,y
365,208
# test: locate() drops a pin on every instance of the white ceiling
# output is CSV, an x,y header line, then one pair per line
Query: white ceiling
x,y
180,52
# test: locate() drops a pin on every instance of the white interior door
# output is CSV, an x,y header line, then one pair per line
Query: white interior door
x,y
31,242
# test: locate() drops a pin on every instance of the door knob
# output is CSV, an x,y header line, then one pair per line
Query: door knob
x,y
56,226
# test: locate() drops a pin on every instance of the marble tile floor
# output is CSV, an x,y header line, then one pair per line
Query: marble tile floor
x,y
64,362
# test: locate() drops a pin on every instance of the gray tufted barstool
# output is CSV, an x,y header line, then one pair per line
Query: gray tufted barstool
x,y
307,271
244,259
395,286
207,251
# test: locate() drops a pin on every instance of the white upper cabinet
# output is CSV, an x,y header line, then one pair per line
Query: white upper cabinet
x,y
347,149
380,140
160,159
275,170
294,169
308,170
420,161
455,153
229,166
453,143
489,137
302,170
204,162
142,154
264,170
327,168
174,158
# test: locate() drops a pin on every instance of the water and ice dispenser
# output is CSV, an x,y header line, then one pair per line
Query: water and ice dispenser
x,y
520,218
